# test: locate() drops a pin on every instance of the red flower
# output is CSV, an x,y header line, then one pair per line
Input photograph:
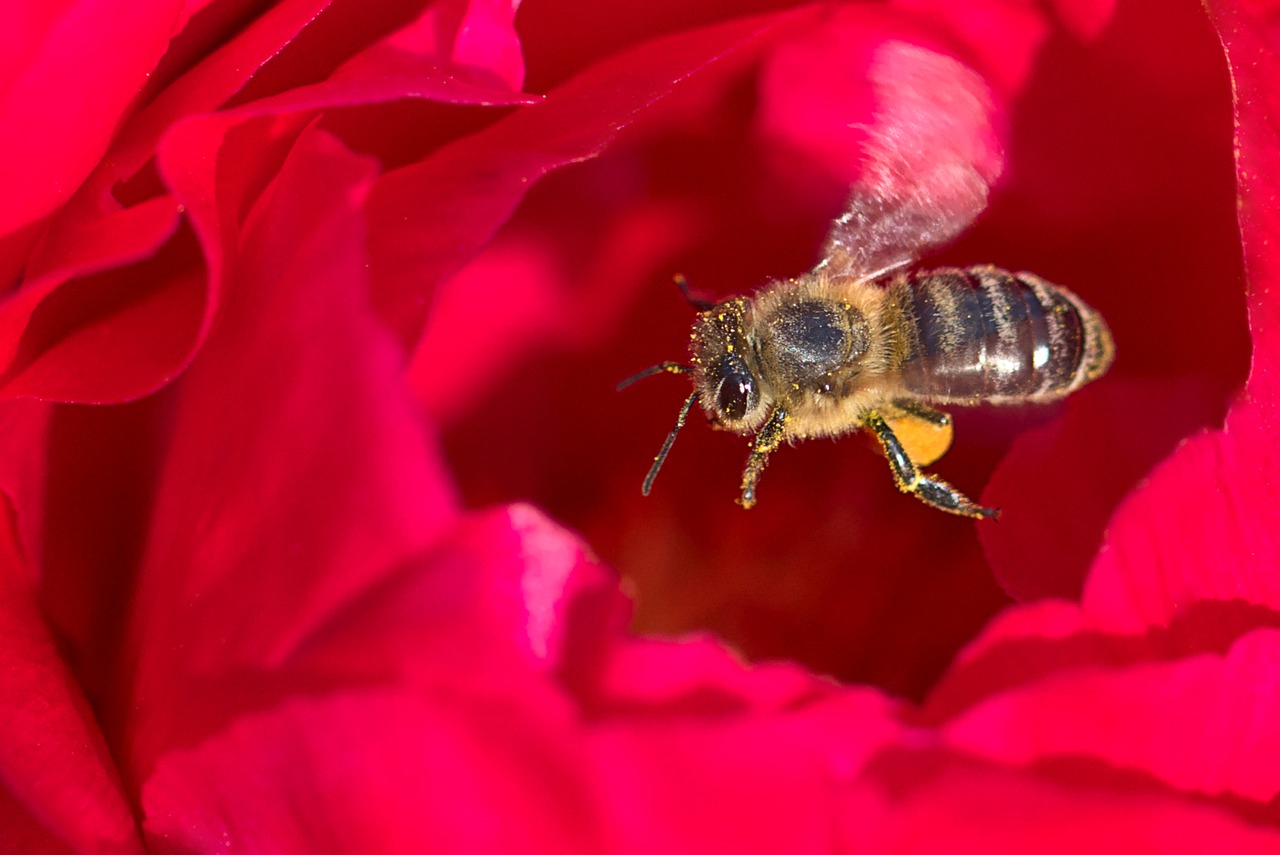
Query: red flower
x,y
313,324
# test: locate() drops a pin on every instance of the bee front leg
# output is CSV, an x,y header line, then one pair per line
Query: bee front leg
x,y
768,438
931,491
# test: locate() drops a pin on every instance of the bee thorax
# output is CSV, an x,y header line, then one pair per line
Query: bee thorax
x,y
805,342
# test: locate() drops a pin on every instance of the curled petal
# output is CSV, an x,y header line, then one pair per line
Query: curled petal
x,y
45,153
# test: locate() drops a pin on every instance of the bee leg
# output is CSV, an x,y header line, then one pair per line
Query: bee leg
x,y
931,491
923,411
924,433
768,438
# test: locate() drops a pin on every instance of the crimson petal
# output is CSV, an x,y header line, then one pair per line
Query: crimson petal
x,y
298,473
1204,525
56,121
60,790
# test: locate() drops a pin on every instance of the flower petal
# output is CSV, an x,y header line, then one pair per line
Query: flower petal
x,y
212,81
331,483
1103,189
1085,18
916,800
446,702
480,37
60,782
427,219
115,318
1047,639
1200,724
1203,526
377,771
45,153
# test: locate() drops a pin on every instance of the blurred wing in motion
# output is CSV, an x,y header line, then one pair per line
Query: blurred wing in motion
x,y
931,158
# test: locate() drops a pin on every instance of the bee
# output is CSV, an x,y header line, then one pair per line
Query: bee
x,y
831,353
863,342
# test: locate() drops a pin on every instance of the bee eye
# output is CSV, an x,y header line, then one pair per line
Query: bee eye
x,y
736,395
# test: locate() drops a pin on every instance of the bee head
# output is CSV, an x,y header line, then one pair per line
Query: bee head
x,y
725,369
725,373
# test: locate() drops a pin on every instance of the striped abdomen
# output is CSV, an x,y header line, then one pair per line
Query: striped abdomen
x,y
985,334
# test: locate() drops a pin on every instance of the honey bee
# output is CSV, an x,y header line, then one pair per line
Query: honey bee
x,y
863,342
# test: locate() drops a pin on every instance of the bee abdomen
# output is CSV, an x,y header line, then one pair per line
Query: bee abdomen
x,y
986,334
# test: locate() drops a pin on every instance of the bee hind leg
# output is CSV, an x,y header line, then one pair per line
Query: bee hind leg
x,y
924,412
767,439
924,433
932,491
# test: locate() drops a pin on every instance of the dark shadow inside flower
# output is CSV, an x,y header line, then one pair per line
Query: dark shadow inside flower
x,y
1127,205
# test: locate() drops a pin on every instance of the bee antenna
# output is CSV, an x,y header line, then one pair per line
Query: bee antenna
x,y
668,367
666,446
700,303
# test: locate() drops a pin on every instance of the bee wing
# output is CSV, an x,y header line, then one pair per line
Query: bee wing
x,y
878,233
931,156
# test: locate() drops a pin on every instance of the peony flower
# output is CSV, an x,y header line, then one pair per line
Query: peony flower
x,y
323,528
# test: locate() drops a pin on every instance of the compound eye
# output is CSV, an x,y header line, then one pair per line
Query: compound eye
x,y
736,395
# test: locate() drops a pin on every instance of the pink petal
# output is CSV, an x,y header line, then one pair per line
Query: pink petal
x,y
695,776
414,717
884,111
487,603
1064,535
126,330
1020,646
429,218
1203,527
1195,531
1244,28
1085,18
454,715
1196,724
125,333
86,327
476,35
61,789
331,484
1107,224
25,425
373,770
98,466
402,64
208,85
921,800
446,723
428,58
560,38
90,58
1003,38
113,321
1052,640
